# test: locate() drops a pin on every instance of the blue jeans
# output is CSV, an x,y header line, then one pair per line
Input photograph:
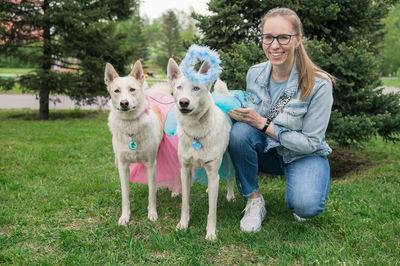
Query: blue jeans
x,y
307,178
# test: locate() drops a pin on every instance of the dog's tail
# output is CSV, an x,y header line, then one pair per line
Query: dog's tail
x,y
221,87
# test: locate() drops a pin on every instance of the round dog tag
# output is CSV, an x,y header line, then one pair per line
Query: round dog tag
x,y
196,145
132,145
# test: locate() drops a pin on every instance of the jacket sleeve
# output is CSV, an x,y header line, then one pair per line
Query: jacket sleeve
x,y
315,123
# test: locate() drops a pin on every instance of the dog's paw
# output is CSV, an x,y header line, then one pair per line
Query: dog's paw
x,y
181,226
174,194
123,220
152,216
230,197
211,236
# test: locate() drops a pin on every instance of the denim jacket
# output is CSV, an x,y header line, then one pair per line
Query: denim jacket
x,y
300,126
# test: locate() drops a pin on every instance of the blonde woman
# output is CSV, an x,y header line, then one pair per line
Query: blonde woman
x,y
282,129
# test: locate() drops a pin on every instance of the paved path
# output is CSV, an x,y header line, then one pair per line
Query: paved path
x,y
387,90
31,101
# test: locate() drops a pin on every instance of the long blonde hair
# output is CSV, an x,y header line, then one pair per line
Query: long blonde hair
x,y
307,69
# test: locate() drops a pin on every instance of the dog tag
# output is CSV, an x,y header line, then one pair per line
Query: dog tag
x,y
196,145
132,145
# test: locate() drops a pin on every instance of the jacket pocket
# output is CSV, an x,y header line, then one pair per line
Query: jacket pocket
x,y
295,115
292,116
253,98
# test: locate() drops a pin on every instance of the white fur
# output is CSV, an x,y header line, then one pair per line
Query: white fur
x,y
145,127
210,124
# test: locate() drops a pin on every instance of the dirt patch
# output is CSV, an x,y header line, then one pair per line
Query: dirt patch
x,y
343,162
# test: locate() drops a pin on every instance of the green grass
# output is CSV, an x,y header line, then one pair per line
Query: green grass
x,y
393,82
60,203
16,71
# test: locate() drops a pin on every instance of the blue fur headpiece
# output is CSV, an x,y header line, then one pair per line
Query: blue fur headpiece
x,y
197,54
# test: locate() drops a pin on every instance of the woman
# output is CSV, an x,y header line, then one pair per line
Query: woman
x,y
291,141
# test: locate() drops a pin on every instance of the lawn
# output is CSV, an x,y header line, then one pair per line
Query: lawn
x,y
391,82
60,203
15,71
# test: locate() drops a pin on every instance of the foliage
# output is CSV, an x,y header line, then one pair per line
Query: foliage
x,y
169,44
170,36
391,51
61,200
237,61
27,57
78,37
135,37
341,37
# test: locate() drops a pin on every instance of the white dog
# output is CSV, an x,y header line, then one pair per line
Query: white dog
x,y
136,132
203,131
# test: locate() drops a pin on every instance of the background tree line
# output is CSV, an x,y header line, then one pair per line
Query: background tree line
x,y
356,41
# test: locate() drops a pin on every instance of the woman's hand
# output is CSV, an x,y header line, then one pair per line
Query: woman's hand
x,y
248,116
251,117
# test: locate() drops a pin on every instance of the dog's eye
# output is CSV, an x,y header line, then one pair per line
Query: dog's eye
x,y
117,91
196,88
131,89
179,87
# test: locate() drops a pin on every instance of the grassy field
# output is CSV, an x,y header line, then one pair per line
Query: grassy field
x,y
15,71
392,82
60,203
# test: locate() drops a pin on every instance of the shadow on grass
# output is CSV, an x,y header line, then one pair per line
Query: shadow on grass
x,y
32,115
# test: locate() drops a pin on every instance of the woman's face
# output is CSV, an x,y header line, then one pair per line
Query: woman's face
x,y
280,55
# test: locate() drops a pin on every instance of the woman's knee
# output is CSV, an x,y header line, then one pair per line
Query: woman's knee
x,y
306,206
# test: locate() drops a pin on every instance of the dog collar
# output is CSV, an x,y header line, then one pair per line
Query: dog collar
x,y
132,143
196,143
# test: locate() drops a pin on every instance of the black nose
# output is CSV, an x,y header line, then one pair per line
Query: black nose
x,y
124,103
184,102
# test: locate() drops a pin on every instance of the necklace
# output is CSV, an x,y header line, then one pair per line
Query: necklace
x,y
196,143
132,144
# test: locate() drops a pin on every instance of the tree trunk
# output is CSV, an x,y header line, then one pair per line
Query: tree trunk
x,y
46,65
44,104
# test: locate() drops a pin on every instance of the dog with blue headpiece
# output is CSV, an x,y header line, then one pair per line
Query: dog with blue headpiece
x,y
202,127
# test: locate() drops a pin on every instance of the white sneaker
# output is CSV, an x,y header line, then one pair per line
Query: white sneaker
x,y
299,219
254,215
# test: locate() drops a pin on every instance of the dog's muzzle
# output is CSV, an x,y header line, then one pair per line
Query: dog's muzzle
x,y
124,104
183,105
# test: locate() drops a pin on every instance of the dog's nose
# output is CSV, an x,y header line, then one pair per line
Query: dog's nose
x,y
124,103
184,102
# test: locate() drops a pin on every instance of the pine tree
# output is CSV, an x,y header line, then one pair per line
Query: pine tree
x,y
391,50
169,43
135,37
75,35
341,36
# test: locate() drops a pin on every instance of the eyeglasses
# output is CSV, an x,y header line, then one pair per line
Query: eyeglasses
x,y
282,39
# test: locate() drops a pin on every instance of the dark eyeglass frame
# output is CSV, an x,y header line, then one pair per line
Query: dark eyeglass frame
x,y
277,38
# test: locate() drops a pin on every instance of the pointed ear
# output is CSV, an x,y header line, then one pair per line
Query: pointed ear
x,y
204,68
109,74
137,72
173,71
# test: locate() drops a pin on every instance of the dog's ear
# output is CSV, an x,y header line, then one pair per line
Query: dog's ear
x,y
173,71
204,68
137,72
109,74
